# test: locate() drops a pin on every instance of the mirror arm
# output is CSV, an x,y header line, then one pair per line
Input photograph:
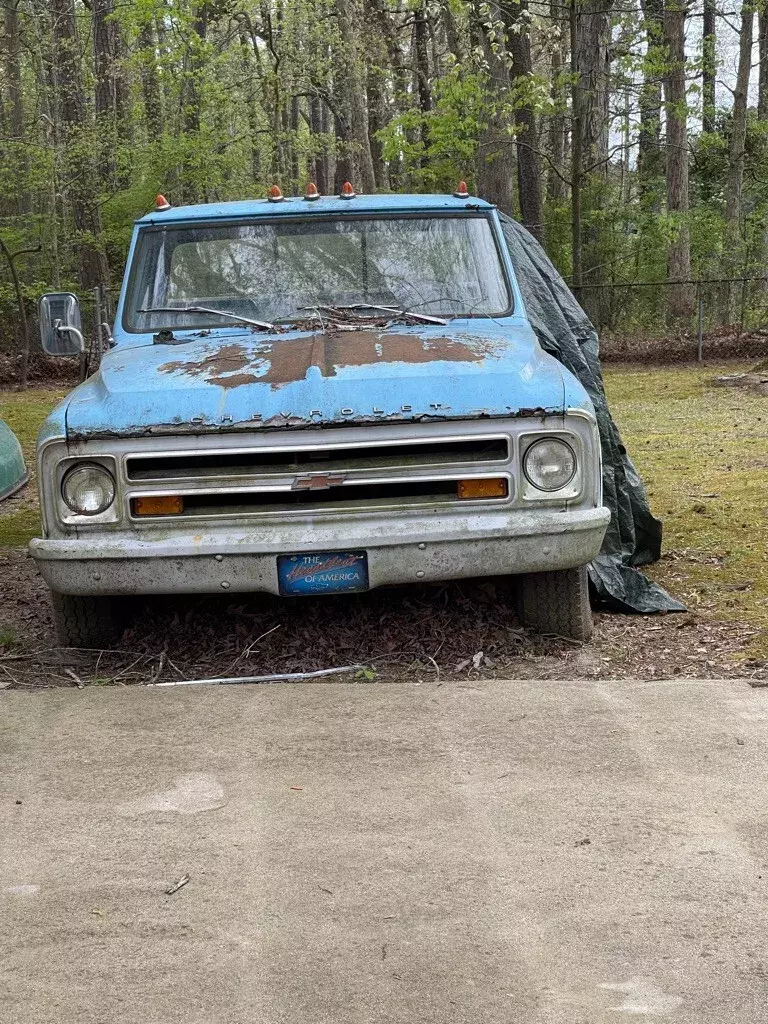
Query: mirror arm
x,y
61,328
107,330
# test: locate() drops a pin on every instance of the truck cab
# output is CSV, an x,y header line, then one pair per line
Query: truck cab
x,y
316,395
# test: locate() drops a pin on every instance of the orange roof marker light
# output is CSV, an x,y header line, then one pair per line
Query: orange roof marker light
x,y
347,192
275,195
461,192
161,203
312,193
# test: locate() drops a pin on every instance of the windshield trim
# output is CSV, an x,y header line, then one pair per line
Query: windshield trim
x,y
486,215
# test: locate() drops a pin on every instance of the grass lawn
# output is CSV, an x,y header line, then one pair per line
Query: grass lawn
x,y
702,451
24,413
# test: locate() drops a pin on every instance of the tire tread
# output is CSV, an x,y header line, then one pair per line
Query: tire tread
x,y
82,621
557,603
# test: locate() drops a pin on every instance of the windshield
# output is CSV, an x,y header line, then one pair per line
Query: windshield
x,y
281,270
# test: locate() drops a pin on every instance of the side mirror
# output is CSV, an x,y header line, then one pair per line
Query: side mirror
x,y
60,324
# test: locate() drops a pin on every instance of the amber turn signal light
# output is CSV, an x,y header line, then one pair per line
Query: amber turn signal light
x,y
496,487
160,505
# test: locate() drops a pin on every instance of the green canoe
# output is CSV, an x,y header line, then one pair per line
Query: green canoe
x,y
13,472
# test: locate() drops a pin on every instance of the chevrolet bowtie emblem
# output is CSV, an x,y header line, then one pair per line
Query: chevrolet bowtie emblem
x,y
318,481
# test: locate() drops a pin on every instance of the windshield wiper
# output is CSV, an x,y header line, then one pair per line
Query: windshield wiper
x,y
261,324
421,317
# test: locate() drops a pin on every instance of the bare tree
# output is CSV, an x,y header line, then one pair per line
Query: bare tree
x,y
150,83
762,81
496,155
708,65
649,158
82,191
679,251
351,93
518,41
735,184
15,95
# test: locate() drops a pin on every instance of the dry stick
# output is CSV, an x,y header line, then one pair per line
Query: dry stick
x,y
281,677
160,665
13,678
75,676
84,650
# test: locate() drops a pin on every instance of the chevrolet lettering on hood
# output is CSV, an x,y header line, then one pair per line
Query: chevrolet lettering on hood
x,y
314,398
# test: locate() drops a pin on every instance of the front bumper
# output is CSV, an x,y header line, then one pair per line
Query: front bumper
x,y
406,549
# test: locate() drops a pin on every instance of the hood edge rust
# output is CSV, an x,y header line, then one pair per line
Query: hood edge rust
x,y
299,423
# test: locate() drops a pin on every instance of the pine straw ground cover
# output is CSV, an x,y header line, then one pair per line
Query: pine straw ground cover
x,y
703,452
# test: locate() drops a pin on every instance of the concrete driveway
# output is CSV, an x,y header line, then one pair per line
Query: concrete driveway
x,y
510,852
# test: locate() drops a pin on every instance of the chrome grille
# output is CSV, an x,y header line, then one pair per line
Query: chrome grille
x,y
406,455
281,478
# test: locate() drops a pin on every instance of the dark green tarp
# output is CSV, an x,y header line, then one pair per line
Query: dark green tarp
x,y
13,472
633,537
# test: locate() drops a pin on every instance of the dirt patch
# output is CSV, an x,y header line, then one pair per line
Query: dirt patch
x,y
448,631
682,347
44,371
755,380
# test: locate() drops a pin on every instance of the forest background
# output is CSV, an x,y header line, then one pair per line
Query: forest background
x,y
630,136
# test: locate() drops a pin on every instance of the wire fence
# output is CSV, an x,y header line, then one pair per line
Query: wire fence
x,y
694,308
714,317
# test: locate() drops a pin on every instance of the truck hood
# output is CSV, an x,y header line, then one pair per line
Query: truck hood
x,y
247,381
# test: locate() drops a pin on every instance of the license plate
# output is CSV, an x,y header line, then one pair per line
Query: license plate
x,y
332,573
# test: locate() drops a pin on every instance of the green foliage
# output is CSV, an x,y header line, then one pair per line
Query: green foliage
x,y
439,147
214,101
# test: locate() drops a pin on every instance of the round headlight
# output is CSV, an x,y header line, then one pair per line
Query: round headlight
x,y
88,489
549,464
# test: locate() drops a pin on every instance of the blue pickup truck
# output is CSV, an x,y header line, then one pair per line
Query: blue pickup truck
x,y
316,395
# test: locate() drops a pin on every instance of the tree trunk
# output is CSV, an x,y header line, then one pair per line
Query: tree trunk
x,y
191,103
679,301
495,154
103,56
735,182
92,263
708,65
103,67
150,82
15,101
319,160
762,82
649,157
590,65
577,158
421,74
451,30
345,169
377,119
557,129
353,92
295,119
518,41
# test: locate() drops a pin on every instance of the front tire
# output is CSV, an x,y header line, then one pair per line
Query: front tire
x,y
92,622
557,603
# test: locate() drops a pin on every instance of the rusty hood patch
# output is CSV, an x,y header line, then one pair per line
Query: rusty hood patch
x,y
290,359
303,379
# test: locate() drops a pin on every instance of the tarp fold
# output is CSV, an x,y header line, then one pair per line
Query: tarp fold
x,y
634,534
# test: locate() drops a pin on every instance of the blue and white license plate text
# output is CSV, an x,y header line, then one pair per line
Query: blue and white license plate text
x,y
330,573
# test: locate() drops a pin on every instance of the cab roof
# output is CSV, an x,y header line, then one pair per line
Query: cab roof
x,y
325,204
